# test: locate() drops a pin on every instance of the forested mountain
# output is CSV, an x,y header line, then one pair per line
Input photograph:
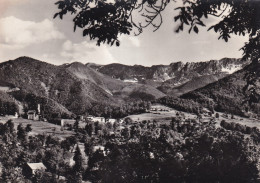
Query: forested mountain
x,y
75,87
238,93
178,77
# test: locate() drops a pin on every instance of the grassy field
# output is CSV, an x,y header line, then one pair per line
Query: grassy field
x,y
40,127
163,114
167,113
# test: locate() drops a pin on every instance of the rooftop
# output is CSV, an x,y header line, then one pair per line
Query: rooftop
x,y
36,166
31,112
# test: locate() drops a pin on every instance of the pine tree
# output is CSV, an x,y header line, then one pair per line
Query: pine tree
x,y
78,167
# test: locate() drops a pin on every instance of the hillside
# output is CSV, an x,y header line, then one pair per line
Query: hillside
x,y
178,77
71,87
234,93
190,85
87,73
77,87
31,76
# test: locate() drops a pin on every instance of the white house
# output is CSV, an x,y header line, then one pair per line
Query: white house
x,y
111,120
99,119
32,115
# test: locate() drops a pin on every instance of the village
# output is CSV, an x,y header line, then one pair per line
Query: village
x,y
157,117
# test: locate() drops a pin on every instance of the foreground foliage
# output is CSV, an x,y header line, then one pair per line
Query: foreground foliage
x,y
106,20
183,151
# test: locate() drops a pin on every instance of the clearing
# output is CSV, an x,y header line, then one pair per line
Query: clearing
x,y
39,127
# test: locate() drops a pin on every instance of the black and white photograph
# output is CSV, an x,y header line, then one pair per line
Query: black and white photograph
x,y
129,91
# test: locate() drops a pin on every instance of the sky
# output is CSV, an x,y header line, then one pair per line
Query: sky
x,y
27,28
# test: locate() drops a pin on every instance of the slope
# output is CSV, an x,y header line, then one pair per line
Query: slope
x,y
178,77
120,91
70,87
238,93
46,80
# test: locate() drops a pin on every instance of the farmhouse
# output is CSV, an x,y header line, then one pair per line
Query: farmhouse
x,y
90,117
99,119
120,120
67,121
32,115
111,120
30,168
100,148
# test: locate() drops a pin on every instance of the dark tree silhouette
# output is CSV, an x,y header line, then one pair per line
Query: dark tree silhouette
x,y
78,167
21,133
106,20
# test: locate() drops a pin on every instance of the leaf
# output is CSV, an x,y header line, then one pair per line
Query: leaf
x,y
190,30
85,32
176,18
56,14
58,2
117,43
201,23
185,21
181,27
195,28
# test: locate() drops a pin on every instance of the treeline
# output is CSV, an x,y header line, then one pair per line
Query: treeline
x,y
148,152
162,155
193,102
48,108
51,151
186,105
254,132
223,102
142,152
109,111
8,108
51,109
238,127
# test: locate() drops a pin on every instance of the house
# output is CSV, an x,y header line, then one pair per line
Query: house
x,y
99,119
119,129
32,115
111,120
100,148
16,115
90,118
64,122
120,121
29,169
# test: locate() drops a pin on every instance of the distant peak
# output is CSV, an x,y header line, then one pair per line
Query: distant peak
x,y
92,64
75,64
24,58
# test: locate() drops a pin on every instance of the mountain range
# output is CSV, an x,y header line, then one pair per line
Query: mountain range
x,y
76,87
178,77
238,93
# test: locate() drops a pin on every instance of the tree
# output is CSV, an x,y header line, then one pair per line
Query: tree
x,y
78,167
105,21
28,128
21,133
76,125
89,128
88,148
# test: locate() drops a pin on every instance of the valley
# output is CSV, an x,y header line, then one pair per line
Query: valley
x,y
76,87
181,119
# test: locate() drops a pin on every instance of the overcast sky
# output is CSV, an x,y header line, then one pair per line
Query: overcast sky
x,y
28,29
